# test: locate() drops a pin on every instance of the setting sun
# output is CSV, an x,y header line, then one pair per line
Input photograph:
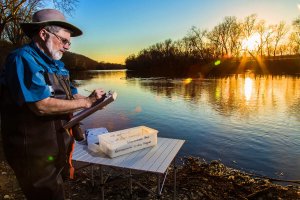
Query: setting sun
x,y
251,43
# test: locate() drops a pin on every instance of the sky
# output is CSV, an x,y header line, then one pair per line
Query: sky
x,y
115,29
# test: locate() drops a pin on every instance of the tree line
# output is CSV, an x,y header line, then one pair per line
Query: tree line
x,y
232,39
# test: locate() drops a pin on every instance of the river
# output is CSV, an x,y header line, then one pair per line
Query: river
x,y
248,122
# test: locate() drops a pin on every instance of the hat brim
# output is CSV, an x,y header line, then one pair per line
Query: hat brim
x,y
32,27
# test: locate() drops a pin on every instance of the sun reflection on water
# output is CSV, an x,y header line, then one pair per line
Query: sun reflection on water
x,y
187,81
248,88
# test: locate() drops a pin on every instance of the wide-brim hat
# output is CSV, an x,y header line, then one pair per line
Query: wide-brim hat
x,y
48,17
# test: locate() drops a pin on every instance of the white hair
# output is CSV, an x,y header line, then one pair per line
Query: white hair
x,y
55,29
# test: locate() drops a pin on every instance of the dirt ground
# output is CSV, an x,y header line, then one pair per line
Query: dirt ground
x,y
196,179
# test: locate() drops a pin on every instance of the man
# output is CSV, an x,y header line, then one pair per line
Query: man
x,y
37,99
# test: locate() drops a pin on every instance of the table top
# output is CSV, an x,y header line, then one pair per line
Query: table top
x,y
152,159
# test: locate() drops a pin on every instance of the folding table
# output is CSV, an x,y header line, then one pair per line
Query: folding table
x,y
154,159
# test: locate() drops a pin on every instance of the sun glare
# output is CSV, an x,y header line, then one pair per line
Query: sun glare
x,y
251,43
248,88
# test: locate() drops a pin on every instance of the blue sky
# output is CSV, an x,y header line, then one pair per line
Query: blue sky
x,y
114,29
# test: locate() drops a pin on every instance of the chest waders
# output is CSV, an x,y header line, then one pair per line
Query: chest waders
x,y
37,147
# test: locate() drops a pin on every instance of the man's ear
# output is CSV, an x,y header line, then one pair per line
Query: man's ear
x,y
43,34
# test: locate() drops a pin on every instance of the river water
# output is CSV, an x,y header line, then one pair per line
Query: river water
x,y
248,122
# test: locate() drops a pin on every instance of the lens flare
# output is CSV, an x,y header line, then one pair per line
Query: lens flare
x,y
187,81
217,62
50,158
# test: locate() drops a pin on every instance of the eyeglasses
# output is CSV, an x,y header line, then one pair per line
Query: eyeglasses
x,y
64,41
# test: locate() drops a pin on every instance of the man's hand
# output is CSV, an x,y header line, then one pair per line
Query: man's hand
x,y
95,95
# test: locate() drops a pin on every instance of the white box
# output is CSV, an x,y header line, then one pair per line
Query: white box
x,y
92,139
125,141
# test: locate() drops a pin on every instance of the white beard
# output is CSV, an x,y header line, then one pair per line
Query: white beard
x,y
56,55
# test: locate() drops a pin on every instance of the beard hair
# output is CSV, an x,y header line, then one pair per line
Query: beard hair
x,y
55,54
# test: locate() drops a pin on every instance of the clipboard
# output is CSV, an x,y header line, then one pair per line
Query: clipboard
x,y
99,104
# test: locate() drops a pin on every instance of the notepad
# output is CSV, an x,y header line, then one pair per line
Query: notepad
x,y
99,104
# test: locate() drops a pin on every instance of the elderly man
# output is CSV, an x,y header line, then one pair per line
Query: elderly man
x,y
37,99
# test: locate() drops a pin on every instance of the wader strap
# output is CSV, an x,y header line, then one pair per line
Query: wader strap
x,y
65,155
65,86
67,82
47,79
70,153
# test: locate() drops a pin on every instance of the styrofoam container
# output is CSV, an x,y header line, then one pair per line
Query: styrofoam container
x,y
125,141
92,139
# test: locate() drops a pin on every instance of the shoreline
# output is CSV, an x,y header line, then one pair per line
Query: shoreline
x,y
196,179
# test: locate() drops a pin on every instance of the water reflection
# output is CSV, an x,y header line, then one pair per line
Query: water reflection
x,y
238,95
98,74
251,120
294,109
235,95
248,88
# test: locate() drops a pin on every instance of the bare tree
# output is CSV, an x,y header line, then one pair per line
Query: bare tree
x,y
198,40
282,49
295,35
269,39
223,29
12,12
296,24
235,33
8,11
248,30
225,37
215,42
248,26
280,31
184,46
12,30
66,6
262,31
294,43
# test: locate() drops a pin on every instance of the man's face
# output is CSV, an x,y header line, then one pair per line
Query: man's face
x,y
57,43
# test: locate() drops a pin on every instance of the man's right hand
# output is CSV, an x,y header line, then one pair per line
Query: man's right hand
x,y
96,95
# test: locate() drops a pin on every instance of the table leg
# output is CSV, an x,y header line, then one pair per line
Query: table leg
x,y
101,182
158,186
130,183
175,170
92,175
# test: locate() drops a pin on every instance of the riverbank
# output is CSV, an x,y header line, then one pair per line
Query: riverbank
x,y
196,179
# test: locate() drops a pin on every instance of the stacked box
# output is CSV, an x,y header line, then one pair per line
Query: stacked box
x,y
125,141
92,139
